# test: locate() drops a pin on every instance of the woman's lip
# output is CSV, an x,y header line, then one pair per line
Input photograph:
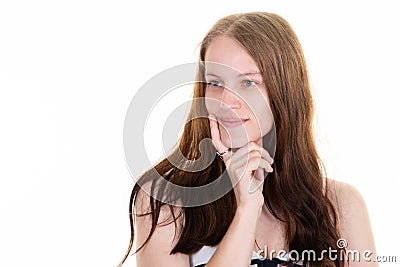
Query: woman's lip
x,y
232,122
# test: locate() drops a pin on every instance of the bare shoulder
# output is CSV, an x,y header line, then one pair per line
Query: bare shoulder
x,y
166,234
353,219
168,214
344,195
348,202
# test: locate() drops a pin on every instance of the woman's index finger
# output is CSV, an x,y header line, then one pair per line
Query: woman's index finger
x,y
215,134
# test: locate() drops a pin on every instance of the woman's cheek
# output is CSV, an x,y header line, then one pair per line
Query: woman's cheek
x,y
212,104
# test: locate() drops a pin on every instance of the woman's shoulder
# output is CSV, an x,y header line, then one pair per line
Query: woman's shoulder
x,y
353,218
167,214
343,193
347,201
156,249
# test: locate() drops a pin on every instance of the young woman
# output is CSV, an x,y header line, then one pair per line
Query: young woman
x,y
255,80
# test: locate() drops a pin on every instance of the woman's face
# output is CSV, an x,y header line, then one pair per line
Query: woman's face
x,y
236,93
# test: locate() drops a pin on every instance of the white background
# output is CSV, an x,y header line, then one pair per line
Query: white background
x,y
69,69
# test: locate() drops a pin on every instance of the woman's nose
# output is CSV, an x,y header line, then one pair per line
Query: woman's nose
x,y
230,99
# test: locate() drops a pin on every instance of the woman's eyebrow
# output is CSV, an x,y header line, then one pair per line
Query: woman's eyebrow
x,y
249,74
239,75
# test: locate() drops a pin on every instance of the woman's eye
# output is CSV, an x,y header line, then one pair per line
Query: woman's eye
x,y
249,83
215,83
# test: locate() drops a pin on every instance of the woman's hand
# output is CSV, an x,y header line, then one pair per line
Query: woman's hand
x,y
245,168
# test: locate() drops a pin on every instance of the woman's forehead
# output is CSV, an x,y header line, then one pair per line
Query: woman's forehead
x,y
228,56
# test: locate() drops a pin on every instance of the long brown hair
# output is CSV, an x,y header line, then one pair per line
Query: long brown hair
x,y
294,192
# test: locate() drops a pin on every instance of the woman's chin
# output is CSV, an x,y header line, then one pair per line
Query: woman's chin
x,y
237,143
